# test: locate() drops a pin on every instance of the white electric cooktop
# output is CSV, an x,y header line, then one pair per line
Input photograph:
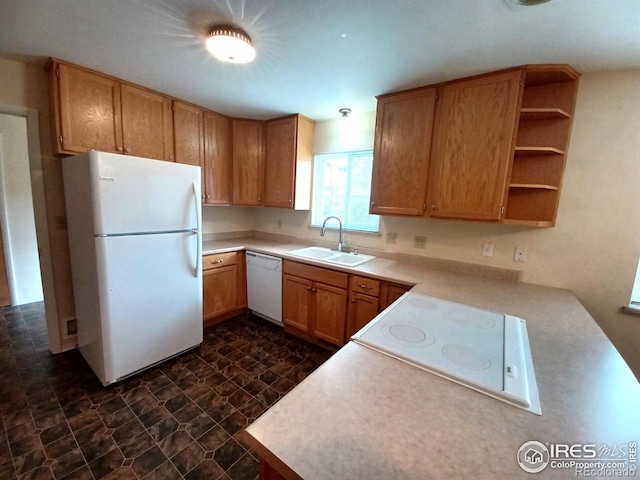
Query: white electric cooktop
x,y
486,351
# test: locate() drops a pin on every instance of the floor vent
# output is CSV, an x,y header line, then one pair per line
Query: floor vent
x,y
72,327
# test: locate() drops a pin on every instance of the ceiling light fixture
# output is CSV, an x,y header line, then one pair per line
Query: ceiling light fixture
x,y
345,112
531,3
230,44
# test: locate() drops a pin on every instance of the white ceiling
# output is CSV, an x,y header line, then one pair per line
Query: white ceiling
x,y
316,56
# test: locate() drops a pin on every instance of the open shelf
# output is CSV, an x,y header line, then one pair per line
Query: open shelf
x,y
536,114
539,158
538,151
537,186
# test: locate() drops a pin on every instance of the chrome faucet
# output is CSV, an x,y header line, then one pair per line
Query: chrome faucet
x,y
341,246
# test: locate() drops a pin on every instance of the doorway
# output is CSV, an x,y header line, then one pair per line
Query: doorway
x,y
17,221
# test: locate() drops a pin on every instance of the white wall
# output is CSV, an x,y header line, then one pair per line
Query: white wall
x,y
18,220
218,219
594,248
354,133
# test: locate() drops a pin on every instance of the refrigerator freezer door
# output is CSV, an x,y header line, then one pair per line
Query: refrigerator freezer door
x,y
150,300
133,194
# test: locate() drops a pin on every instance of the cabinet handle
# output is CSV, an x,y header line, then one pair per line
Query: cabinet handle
x,y
353,301
208,196
126,150
433,207
373,203
362,285
217,261
309,288
313,289
289,200
119,149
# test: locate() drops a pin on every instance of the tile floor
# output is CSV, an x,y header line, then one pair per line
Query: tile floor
x,y
179,420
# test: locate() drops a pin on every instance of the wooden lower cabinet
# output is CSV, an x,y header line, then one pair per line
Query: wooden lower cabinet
x,y
314,302
362,309
224,286
329,313
268,472
367,298
390,292
296,301
364,303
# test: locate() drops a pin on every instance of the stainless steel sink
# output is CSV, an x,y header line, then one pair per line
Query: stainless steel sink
x,y
331,256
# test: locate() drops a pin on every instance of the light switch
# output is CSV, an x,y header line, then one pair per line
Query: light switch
x,y
487,250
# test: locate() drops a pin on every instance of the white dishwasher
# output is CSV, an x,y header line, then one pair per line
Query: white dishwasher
x,y
264,286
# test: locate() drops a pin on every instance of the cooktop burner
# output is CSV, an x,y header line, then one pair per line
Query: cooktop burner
x,y
467,318
406,333
465,357
483,350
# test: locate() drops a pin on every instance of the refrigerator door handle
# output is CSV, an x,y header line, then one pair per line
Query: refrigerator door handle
x,y
198,229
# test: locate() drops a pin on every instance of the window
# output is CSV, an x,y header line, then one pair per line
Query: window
x,y
342,187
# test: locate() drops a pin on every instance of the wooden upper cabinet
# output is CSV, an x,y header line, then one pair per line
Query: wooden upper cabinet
x,y
404,124
85,111
188,123
288,161
247,162
476,122
217,159
146,123
96,112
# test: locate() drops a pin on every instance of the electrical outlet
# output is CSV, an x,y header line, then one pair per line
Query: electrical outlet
x,y
520,254
392,237
487,250
419,242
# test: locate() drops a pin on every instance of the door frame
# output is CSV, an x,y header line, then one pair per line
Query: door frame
x,y
40,214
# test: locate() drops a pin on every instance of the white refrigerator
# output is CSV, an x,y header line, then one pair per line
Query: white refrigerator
x,y
134,228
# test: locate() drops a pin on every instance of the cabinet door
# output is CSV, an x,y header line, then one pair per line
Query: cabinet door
x,y
476,122
330,312
280,162
362,309
146,123
389,293
219,291
88,108
402,149
296,301
217,159
247,162
187,132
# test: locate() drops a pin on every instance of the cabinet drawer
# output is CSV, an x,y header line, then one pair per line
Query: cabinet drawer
x,y
365,285
218,260
317,274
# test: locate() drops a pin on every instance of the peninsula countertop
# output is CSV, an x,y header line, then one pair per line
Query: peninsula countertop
x,y
364,415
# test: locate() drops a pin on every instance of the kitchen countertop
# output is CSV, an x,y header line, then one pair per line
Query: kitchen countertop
x,y
408,272
364,415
